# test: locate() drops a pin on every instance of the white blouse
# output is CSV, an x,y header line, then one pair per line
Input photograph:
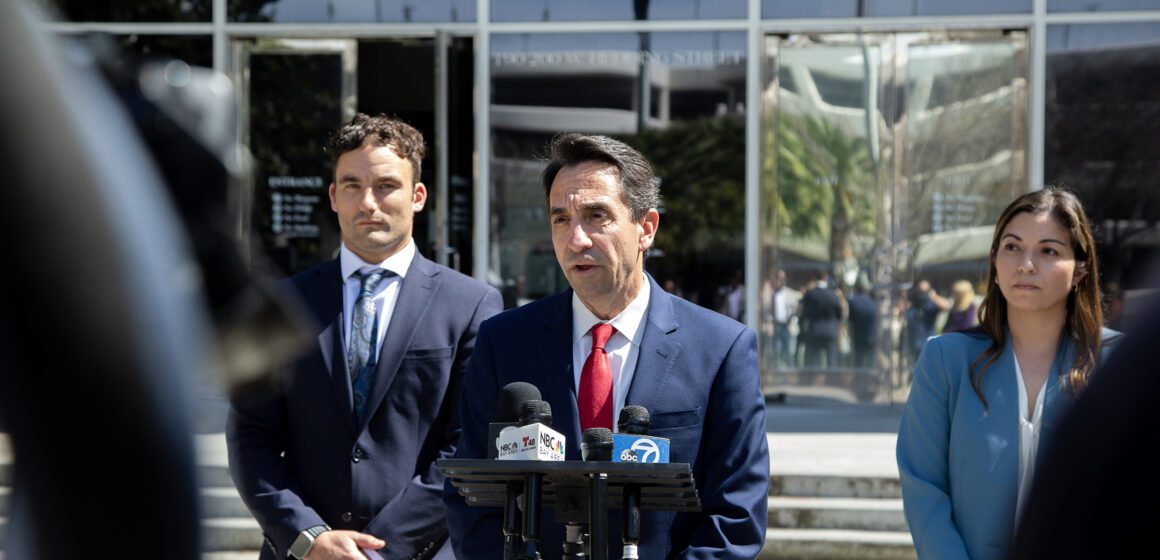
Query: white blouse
x,y
1029,425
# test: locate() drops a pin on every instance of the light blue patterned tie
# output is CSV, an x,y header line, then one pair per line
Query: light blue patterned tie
x,y
360,364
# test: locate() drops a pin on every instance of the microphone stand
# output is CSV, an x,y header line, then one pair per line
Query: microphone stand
x,y
631,527
598,516
512,538
574,542
533,486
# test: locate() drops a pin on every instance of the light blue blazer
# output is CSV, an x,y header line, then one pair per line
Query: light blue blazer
x,y
959,462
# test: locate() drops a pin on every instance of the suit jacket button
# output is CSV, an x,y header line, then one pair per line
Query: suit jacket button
x,y
346,517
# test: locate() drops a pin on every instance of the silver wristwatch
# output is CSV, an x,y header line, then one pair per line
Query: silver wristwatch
x,y
305,540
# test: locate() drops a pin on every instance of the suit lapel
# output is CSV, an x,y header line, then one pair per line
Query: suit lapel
x,y
556,377
327,291
658,349
415,294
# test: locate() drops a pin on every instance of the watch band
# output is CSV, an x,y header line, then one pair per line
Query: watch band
x,y
305,540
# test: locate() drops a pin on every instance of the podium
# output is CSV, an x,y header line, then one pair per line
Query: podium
x,y
579,491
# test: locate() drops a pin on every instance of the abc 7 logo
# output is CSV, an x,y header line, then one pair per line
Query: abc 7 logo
x,y
642,451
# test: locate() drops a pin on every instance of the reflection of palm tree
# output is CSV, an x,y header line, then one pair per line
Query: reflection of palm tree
x,y
823,176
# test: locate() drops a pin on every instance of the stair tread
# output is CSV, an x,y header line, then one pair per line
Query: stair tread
x,y
841,535
230,522
817,502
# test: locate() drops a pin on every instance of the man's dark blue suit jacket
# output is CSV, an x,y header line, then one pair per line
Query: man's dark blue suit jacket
x,y
696,374
300,457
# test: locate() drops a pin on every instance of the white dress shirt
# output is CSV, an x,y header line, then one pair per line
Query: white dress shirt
x,y
385,295
1029,425
622,349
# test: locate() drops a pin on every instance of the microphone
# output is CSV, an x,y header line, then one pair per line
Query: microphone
x,y
633,425
633,444
507,415
534,439
507,411
597,446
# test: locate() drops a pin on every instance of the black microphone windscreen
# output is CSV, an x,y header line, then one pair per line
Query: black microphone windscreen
x,y
634,420
597,444
535,411
507,408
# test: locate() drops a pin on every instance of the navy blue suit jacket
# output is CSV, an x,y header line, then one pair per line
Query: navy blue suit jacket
x,y
696,374
300,457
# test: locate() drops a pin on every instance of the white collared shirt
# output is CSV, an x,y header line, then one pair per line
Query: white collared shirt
x,y
1029,425
623,348
385,295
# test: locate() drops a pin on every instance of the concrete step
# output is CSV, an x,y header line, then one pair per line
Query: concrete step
x,y
834,486
222,502
214,476
835,544
224,535
860,514
215,502
231,534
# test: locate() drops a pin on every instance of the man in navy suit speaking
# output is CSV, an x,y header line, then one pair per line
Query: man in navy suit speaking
x,y
615,338
342,458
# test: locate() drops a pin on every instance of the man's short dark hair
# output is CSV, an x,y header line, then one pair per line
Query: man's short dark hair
x,y
638,191
379,130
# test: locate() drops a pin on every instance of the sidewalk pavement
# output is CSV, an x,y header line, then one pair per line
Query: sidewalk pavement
x,y
818,436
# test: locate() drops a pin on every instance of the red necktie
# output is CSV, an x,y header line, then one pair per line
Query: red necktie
x,y
595,398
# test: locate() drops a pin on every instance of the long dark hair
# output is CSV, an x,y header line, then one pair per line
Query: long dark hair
x,y
1084,311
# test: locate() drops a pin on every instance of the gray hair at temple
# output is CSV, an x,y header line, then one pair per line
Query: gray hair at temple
x,y
638,190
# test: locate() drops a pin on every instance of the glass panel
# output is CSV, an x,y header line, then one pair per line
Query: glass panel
x,y
692,129
889,8
351,11
1101,5
888,158
965,161
823,216
295,101
194,50
133,10
1101,141
615,10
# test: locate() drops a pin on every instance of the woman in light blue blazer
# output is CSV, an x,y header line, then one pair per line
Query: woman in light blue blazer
x,y
984,401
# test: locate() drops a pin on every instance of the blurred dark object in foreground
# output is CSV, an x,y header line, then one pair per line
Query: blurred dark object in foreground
x,y
187,118
123,289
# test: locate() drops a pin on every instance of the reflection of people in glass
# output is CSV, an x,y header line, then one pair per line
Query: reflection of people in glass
x,y
971,429
961,315
924,305
821,316
784,309
863,325
732,298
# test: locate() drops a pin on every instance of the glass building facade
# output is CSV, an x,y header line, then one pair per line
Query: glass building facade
x,y
870,142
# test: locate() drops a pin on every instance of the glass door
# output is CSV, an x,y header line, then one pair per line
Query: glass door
x,y
296,92
887,157
293,92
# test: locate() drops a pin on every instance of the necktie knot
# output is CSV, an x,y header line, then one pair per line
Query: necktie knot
x,y
370,278
601,332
